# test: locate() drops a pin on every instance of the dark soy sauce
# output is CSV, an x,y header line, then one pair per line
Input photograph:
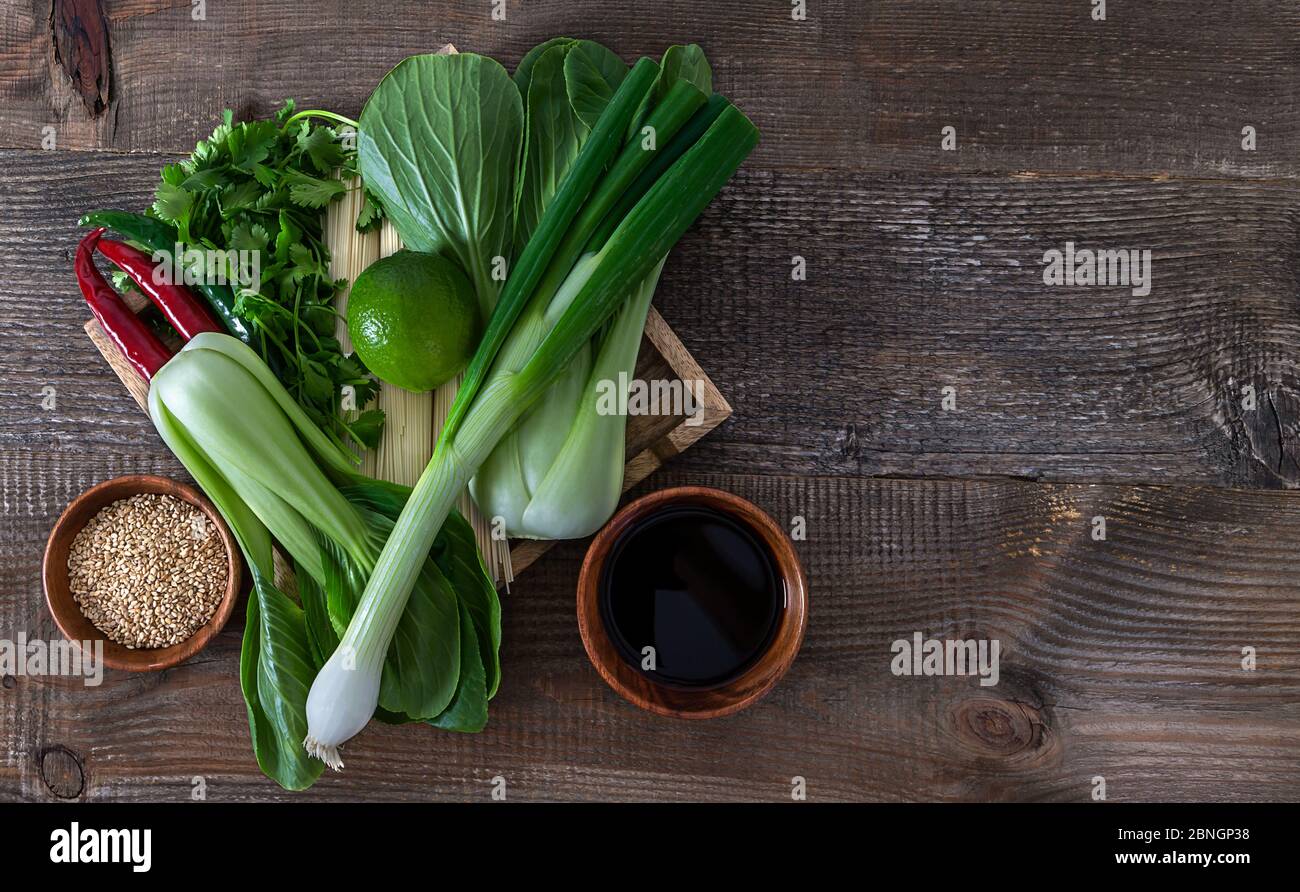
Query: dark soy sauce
x,y
696,585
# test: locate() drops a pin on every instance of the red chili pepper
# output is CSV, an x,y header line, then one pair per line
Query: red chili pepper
x,y
178,304
138,344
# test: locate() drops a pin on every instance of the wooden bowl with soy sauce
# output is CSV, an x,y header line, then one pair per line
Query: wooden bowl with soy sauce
x,y
692,602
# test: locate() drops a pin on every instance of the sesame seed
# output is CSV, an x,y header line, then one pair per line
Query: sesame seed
x,y
148,571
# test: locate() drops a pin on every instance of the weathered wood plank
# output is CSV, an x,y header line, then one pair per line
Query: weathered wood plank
x,y
917,284
1122,658
914,283
1159,87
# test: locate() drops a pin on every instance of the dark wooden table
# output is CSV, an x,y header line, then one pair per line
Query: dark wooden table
x,y
1123,657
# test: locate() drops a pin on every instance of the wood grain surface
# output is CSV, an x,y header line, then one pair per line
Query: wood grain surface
x,y
914,284
1122,657
1161,86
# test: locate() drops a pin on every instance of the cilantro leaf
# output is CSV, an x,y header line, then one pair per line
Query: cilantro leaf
x,y
121,281
313,192
246,236
372,213
251,143
239,196
319,385
285,112
266,176
206,178
303,262
172,205
321,146
367,427
286,237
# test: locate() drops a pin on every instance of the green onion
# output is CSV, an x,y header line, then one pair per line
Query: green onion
x,y
523,353
596,153
558,474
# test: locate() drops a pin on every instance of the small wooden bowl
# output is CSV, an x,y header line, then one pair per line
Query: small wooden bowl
x,y
693,703
58,595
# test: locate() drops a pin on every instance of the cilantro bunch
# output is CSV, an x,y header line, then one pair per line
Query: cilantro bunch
x,y
261,186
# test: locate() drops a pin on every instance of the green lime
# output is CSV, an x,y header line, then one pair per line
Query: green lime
x,y
413,319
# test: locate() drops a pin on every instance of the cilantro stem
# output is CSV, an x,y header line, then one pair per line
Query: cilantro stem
x,y
297,326
275,339
319,113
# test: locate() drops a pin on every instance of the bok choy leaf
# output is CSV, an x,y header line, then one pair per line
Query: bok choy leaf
x,y
439,142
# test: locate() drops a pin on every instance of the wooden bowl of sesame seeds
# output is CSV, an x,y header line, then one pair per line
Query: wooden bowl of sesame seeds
x,y
144,564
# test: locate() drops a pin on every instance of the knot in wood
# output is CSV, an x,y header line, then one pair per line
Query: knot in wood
x,y
62,772
994,727
79,31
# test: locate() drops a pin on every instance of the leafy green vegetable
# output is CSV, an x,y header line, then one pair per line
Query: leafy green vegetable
x,y
271,471
321,637
439,145
372,213
679,63
468,712
559,473
276,668
276,662
524,73
259,186
456,554
537,260
684,63
592,74
554,135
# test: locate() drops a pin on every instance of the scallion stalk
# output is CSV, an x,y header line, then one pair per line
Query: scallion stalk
x,y
595,156
492,398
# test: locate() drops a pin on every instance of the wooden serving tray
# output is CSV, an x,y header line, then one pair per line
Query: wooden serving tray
x,y
651,439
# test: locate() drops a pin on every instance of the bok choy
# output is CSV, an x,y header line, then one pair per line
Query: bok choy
x,y
272,472
558,474
613,218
